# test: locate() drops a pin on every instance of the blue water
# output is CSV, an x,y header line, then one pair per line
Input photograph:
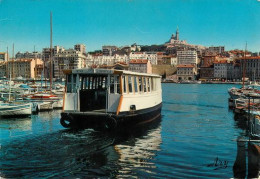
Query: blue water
x,y
195,138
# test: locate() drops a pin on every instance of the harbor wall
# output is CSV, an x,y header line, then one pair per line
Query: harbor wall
x,y
164,69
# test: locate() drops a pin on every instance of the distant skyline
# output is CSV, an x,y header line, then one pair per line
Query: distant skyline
x,y
229,23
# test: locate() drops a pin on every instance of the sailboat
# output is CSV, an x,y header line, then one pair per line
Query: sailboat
x,y
12,109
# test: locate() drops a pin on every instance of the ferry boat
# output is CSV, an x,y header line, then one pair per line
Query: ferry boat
x,y
108,99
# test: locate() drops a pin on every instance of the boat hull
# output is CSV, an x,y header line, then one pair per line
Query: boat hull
x,y
103,121
16,110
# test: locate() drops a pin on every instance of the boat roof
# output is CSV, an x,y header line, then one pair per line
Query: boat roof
x,y
100,71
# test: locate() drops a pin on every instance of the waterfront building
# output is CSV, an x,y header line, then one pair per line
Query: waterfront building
x,y
26,68
251,65
223,69
68,59
140,65
217,49
208,59
187,57
186,72
3,56
206,73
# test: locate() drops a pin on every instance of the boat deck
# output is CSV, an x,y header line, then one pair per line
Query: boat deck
x,y
100,112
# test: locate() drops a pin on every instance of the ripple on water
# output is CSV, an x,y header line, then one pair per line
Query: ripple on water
x,y
196,131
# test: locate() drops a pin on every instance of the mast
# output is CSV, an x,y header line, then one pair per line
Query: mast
x,y
13,63
51,52
7,62
244,67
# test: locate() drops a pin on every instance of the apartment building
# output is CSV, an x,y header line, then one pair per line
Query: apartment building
x,y
186,72
68,59
108,50
251,66
28,55
2,69
3,56
26,68
217,49
187,57
140,65
223,69
100,59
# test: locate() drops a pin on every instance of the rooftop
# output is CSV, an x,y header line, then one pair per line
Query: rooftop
x,y
185,66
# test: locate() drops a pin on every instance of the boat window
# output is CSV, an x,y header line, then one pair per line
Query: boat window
x,y
152,89
117,85
130,87
114,84
154,84
74,83
136,84
148,84
69,85
124,84
140,84
145,84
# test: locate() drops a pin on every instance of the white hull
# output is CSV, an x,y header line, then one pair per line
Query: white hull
x,y
44,106
15,110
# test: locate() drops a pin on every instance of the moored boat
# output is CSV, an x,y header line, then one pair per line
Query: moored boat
x,y
107,99
15,110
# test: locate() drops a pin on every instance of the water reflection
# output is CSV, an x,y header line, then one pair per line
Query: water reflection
x,y
247,164
83,153
13,127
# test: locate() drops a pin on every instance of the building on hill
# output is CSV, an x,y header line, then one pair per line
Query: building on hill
x,y
28,55
217,49
69,59
108,50
187,57
175,40
140,65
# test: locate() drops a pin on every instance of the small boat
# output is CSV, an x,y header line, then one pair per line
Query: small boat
x,y
15,110
45,101
108,99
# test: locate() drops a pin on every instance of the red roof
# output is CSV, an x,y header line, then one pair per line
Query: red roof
x,y
185,66
138,61
249,58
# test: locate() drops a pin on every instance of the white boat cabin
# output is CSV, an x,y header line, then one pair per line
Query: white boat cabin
x,y
110,91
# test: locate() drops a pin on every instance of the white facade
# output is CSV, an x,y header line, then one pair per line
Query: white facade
x,y
151,56
187,57
67,59
105,60
223,70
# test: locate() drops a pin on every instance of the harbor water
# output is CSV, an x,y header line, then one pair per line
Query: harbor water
x,y
196,137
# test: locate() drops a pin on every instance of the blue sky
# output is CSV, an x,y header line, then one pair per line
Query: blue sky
x,y
26,23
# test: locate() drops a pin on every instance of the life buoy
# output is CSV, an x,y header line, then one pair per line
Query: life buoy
x,y
67,121
110,123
